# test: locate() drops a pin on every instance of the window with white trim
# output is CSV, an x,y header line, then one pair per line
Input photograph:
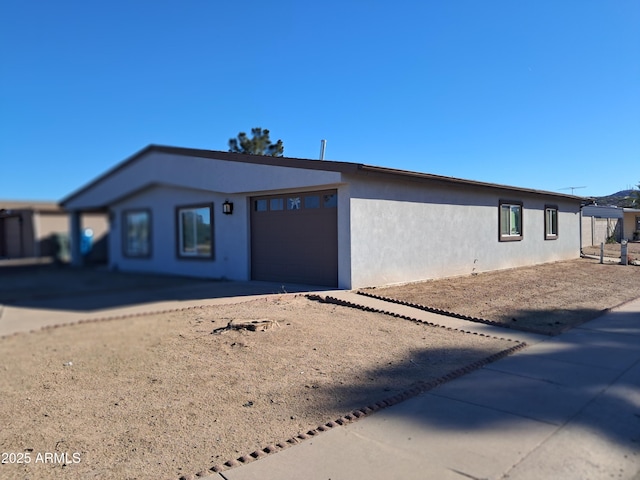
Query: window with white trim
x,y
195,231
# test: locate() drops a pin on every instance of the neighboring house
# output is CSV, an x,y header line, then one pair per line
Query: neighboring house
x,y
631,224
40,229
227,215
601,223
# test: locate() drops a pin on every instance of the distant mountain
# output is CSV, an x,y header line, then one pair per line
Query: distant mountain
x,y
623,198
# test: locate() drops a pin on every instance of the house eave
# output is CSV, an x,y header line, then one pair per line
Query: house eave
x,y
452,181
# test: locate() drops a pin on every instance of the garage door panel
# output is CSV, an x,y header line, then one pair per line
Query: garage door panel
x,y
295,245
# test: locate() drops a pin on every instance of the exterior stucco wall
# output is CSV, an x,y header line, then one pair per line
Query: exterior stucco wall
x,y
200,174
97,222
598,230
630,224
49,224
587,236
230,241
46,227
344,237
407,231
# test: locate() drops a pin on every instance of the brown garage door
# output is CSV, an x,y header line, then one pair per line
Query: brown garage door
x,y
294,238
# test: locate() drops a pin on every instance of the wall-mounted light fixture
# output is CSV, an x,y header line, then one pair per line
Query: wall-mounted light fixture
x,y
227,207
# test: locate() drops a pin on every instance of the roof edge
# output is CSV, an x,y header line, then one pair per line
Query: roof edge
x,y
34,205
462,181
291,162
108,173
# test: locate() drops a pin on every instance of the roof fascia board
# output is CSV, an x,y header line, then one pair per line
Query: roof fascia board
x,y
328,165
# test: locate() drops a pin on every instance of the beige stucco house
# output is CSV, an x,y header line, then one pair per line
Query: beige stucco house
x,y
631,224
601,223
35,229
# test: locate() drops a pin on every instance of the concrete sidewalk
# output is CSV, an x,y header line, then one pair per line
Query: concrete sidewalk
x,y
566,407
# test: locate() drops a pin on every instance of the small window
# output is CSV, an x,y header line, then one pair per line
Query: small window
x,y
195,232
293,203
260,206
330,200
510,221
137,233
276,204
312,202
550,222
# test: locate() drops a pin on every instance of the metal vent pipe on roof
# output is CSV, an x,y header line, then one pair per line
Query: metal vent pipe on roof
x,y
323,146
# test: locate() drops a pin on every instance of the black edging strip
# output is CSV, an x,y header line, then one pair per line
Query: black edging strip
x,y
415,390
447,313
104,319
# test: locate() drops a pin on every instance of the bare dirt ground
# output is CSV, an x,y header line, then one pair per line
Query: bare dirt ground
x,y
546,298
612,250
160,396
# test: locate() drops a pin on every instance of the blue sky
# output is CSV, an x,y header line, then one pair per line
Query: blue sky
x,y
542,94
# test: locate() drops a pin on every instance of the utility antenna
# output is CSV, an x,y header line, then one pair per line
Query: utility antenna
x,y
323,146
571,188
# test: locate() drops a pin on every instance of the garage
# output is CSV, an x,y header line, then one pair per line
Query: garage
x,y
294,238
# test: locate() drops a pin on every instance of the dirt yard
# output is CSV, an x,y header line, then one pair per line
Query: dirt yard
x,y
547,298
160,396
612,250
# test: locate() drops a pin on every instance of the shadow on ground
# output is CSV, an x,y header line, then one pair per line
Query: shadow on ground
x,y
60,287
589,376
